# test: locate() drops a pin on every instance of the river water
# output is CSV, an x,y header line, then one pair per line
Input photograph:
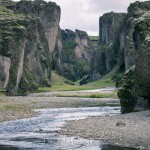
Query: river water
x,y
41,133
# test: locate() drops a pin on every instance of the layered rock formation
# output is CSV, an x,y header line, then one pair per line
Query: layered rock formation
x,y
142,63
124,42
72,56
136,51
28,32
106,55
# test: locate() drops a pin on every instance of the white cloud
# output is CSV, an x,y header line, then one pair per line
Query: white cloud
x,y
84,14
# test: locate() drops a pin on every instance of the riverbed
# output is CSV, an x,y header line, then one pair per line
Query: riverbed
x,y
41,132
43,121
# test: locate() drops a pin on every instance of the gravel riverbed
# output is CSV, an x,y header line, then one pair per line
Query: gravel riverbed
x,y
130,130
12,108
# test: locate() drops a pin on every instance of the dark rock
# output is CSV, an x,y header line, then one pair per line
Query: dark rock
x,y
134,90
142,69
126,92
120,124
106,55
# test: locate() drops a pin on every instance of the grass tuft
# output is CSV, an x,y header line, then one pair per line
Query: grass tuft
x,y
89,95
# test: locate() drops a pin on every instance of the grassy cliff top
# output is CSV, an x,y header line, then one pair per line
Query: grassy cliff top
x,y
6,13
94,38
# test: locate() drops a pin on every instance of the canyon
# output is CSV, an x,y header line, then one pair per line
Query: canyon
x,y
32,44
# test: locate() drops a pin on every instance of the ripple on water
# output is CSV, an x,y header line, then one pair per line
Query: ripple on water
x,y
40,133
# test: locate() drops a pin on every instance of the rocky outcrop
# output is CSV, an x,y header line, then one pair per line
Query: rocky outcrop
x,y
28,32
136,51
142,70
73,54
48,14
106,55
135,14
126,91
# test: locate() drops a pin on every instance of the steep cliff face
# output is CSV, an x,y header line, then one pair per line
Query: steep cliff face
x,y
136,51
142,70
48,14
108,51
28,36
73,55
135,14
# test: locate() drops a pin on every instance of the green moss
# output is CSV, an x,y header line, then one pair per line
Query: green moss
x,y
9,107
118,79
7,15
89,95
27,83
139,5
12,81
7,3
143,29
45,83
126,92
69,45
69,82
32,85
23,86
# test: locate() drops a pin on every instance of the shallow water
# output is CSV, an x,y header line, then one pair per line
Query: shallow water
x,y
40,133
103,90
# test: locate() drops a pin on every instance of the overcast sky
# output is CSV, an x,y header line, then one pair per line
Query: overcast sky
x,y
84,14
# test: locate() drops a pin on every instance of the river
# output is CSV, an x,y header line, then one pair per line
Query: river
x,y
41,133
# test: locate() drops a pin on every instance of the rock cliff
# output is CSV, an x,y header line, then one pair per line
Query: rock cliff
x,y
73,54
28,32
142,47
136,51
124,42
106,55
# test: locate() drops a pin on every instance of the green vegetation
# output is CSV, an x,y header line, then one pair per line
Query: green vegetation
x,y
96,38
59,84
126,92
65,87
75,68
2,94
7,14
9,107
143,29
89,95
69,45
94,41
102,83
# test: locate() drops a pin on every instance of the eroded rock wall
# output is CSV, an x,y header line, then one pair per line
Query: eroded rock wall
x,y
72,54
137,52
107,53
28,32
142,70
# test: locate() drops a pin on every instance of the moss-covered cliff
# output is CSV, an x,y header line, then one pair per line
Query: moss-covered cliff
x,y
124,42
136,49
72,54
106,55
28,31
